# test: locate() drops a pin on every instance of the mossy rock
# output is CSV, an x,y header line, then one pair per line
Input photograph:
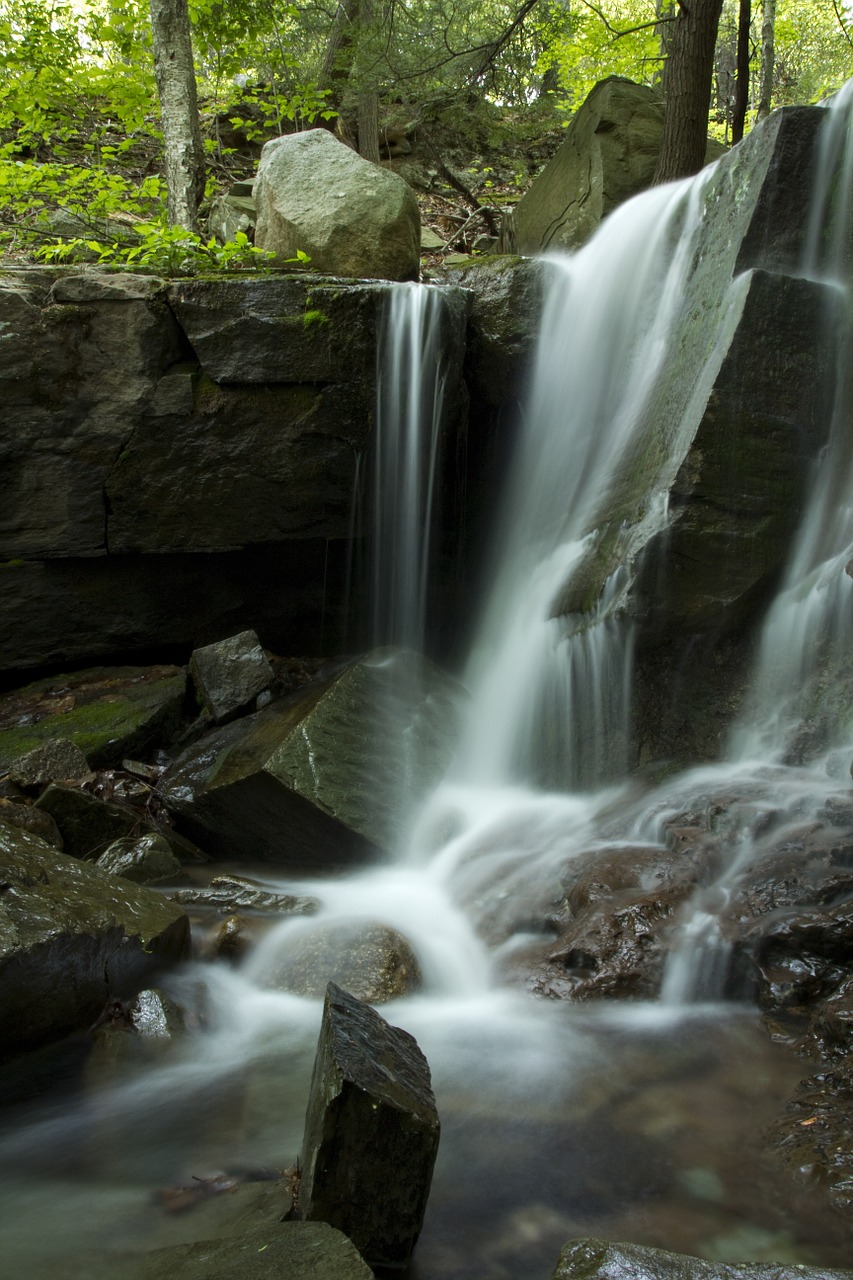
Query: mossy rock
x,y
108,712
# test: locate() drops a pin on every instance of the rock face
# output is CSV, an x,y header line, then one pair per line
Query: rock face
x,y
351,217
371,1133
603,1260
72,938
326,777
609,154
173,455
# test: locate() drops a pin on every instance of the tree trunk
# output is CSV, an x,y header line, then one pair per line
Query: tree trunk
x,y
687,89
768,57
175,76
742,81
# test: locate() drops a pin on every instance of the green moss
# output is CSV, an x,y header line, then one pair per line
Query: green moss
x,y
315,319
12,564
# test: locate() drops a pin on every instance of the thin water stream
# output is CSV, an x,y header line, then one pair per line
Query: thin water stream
x,y
638,1121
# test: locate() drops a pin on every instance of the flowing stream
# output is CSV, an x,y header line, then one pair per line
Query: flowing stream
x,y
636,1121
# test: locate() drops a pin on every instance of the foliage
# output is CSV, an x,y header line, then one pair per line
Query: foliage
x,y
165,250
610,37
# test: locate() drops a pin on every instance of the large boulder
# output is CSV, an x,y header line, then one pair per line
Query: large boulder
x,y
609,154
372,961
350,216
327,776
72,938
371,1132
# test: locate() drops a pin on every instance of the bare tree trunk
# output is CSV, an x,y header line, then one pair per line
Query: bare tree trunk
x,y
742,81
175,76
768,57
687,89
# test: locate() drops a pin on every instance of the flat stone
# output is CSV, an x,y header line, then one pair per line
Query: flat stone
x,y
371,1132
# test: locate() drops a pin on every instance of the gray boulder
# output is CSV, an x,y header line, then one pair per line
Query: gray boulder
x,y
351,217
371,1132
372,961
609,154
229,674
57,760
72,939
326,777
604,1260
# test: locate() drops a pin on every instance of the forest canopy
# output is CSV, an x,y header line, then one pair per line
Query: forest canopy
x,y
80,127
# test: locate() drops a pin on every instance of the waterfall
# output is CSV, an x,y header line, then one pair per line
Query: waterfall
x,y
807,639
413,357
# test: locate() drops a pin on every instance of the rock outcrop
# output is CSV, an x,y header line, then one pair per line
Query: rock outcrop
x,y
603,1260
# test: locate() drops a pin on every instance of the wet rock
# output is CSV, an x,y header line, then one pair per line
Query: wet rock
x,y
27,817
371,1132
231,940
227,893
603,1260
58,760
327,777
88,825
106,712
146,860
371,961
360,221
155,1016
230,674
71,939
621,906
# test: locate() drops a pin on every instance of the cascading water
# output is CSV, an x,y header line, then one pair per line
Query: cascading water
x,y
556,1123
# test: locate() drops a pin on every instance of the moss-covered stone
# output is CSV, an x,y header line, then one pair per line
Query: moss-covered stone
x,y
72,938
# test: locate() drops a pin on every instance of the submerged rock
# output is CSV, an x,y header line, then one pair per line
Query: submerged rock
x,y
228,894
604,1260
71,939
371,961
327,777
371,1132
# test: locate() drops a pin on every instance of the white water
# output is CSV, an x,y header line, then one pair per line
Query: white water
x,y
540,778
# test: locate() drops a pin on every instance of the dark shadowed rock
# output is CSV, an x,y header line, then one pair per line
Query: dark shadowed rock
x,y
106,712
229,674
71,939
371,1132
604,1260
372,961
27,817
327,776
58,760
87,824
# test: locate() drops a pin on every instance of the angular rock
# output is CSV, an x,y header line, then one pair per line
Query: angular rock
x,y
350,216
604,1260
107,712
144,860
371,961
26,817
327,776
72,939
229,674
87,824
58,760
371,1132
156,1017
609,154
